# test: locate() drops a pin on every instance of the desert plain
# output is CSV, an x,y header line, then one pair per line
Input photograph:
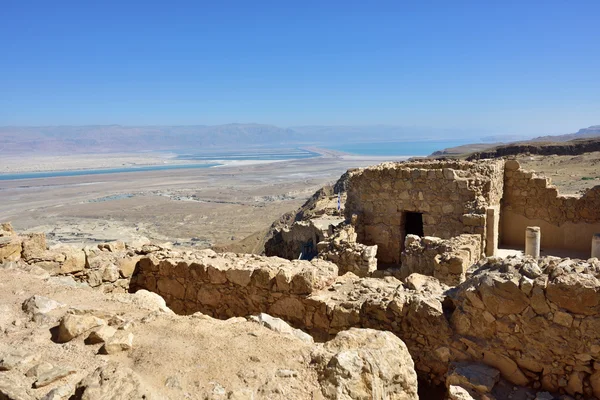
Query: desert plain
x,y
196,207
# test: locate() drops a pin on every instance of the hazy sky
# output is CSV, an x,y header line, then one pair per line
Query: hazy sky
x,y
512,67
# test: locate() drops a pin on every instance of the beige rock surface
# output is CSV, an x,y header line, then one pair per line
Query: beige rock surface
x,y
366,364
172,356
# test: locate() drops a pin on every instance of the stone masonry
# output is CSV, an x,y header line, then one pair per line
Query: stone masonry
x,y
534,321
453,198
447,260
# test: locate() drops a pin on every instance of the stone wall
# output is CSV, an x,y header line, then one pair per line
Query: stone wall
x,y
566,221
536,322
228,285
453,197
301,239
107,266
343,250
446,260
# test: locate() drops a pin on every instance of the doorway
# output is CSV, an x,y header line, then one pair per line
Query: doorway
x,y
414,224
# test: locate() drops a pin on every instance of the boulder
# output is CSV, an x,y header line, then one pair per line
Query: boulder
x,y
53,375
424,283
63,392
279,325
39,304
478,377
110,273
366,364
121,341
72,326
10,248
127,265
13,388
39,369
112,247
459,393
112,382
74,259
17,358
34,246
150,301
100,335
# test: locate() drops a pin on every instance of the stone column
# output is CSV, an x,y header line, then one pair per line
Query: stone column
x,y
532,241
596,245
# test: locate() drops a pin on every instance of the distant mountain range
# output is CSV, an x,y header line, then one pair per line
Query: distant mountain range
x,y
117,138
585,133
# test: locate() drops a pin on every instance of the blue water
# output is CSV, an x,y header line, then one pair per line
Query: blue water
x,y
265,154
52,174
424,148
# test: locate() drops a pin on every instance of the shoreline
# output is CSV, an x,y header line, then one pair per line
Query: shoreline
x,y
95,163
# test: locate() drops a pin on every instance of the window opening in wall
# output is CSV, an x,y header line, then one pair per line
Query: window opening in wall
x,y
414,224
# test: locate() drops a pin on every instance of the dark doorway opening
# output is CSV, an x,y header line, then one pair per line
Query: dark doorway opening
x,y
414,224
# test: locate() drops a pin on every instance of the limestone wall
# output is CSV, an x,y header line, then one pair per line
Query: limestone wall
x,y
453,197
343,250
446,260
537,322
566,222
229,285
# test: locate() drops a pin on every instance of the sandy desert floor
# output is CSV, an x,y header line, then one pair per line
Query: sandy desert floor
x,y
191,207
198,207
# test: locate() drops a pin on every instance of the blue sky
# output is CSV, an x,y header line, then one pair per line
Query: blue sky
x,y
525,67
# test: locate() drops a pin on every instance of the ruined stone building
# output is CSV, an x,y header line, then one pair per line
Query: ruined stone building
x,y
457,212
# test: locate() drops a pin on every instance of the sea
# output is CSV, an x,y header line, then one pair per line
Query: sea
x,y
414,148
52,174
211,159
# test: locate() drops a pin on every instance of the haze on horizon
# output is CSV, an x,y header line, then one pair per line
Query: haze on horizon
x,y
512,68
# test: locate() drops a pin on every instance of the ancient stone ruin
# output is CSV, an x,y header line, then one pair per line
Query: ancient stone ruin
x,y
439,217
411,283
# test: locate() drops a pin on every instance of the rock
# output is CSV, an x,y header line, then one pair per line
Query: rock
x,y
39,369
478,377
94,278
112,382
34,246
121,341
12,388
530,269
40,304
53,375
10,248
127,266
423,283
279,325
60,393
286,373
65,281
72,326
366,364
74,259
113,247
100,335
150,301
17,358
110,273
507,367
172,382
458,393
